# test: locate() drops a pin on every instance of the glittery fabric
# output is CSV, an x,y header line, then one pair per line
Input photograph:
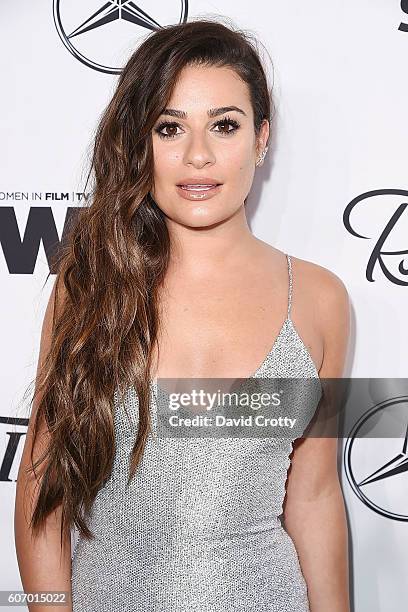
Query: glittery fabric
x,y
199,527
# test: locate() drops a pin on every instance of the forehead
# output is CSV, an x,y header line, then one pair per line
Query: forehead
x,y
199,88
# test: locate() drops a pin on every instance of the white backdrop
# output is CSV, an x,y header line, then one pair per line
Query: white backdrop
x,y
341,93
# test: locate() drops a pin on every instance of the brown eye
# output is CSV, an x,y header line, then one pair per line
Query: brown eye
x,y
167,125
226,125
171,128
227,122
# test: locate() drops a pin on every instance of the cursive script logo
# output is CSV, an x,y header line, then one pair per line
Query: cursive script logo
x,y
380,250
94,31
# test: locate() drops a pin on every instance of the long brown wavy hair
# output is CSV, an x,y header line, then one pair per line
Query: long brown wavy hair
x,y
111,267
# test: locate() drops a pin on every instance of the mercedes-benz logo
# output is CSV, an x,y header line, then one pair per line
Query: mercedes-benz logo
x,y
377,467
102,34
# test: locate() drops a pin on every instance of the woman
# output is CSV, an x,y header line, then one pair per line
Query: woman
x,y
162,277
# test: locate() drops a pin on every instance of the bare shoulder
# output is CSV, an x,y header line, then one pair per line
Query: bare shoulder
x,y
331,303
315,278
326,286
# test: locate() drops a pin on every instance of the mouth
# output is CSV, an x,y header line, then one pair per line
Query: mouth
x,y
196,187
198,191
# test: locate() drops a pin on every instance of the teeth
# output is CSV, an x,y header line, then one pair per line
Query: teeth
x,y
197,187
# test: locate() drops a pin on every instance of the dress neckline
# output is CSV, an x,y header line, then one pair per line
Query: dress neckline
x,y
287,322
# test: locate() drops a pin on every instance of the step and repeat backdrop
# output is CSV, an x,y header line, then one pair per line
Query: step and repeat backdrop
x,y
333,190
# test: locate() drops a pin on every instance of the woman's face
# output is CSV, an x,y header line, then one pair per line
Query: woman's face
x,y
206,134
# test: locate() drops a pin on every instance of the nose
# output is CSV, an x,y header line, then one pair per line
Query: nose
x,y
199,152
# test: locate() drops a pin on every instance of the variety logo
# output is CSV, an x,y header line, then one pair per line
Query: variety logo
x,y
8,463
96,32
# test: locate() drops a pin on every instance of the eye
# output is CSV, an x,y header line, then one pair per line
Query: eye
x,y
164,125
227,121
173,125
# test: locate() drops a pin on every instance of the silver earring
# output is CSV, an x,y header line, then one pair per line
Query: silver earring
x,y
261,157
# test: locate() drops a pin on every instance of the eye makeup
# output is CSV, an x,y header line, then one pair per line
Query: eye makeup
x,y
173,124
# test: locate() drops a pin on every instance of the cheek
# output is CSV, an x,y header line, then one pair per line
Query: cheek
x,y
238,158
243,169
165,153
166,165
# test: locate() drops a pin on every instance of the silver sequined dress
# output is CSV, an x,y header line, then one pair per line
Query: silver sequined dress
x,y
198,529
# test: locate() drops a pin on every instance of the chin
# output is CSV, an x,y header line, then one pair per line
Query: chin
x,y
202,217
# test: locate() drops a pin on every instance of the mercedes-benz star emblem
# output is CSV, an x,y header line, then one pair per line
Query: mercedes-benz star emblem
x,y
102,34
377,467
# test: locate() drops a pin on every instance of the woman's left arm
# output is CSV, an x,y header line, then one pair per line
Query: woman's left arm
x,y
314,512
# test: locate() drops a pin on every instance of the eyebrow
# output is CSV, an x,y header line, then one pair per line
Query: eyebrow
x,y
212,112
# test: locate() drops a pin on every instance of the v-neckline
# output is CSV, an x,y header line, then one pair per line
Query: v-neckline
x,y
255,374
153,381
263,362
271,350
287,321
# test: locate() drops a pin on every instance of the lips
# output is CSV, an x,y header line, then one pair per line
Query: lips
x,y
200,189
198,182
197,187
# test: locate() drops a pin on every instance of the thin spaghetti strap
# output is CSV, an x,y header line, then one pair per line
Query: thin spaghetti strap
x,y
290,284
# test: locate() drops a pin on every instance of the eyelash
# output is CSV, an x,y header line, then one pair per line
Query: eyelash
x,y
172,124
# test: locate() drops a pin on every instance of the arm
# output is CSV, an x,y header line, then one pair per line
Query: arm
x,y
314,511
43,565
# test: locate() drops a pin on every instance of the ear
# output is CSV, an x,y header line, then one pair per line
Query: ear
x,y
263,137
